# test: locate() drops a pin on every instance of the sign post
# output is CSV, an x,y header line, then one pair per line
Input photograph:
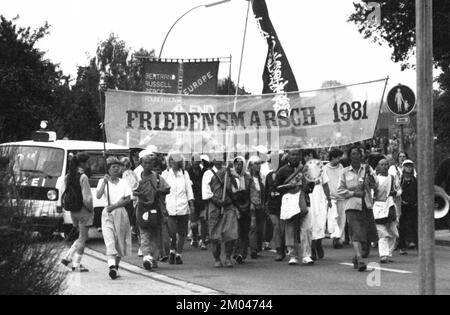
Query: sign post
x,y
425,145
401,102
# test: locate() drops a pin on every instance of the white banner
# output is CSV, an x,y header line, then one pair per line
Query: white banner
x,y
205,124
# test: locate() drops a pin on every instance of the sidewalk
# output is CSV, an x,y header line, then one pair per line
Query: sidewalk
x,y
133,281
443,238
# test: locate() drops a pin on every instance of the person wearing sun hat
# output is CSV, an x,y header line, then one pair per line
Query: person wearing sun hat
x,y
116,193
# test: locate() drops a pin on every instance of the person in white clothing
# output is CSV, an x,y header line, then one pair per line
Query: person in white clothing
x,y
115,223
336,215
179,203
386,226
320,203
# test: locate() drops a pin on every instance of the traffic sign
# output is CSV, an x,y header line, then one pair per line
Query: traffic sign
x,y
402,120
401,100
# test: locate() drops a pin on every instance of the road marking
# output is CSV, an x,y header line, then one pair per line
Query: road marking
x,y
195,288
369,267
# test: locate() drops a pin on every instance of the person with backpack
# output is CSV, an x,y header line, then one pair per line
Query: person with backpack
x,y
116,227
77,198
151,212
179,202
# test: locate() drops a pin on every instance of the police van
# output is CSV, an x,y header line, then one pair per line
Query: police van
x,y
40,166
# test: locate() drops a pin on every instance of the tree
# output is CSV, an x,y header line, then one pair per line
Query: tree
x,y
28,81
228,87
397,29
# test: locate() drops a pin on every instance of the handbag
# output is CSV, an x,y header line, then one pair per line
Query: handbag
x,y
384,211
147,217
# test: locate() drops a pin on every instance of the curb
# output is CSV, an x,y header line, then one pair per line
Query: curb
x,y
195,288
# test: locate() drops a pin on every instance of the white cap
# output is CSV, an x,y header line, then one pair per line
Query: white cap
x,y
204,157
407,162
144,153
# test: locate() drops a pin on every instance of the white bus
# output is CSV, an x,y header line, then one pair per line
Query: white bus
x,y
39,168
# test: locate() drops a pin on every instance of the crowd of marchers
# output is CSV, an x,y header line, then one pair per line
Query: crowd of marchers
x,y
241,207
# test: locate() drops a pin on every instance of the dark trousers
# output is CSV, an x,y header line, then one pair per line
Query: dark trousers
x,y
408,228
257,231
178,226
243,242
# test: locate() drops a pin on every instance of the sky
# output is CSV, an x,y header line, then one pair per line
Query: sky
x,y
317,40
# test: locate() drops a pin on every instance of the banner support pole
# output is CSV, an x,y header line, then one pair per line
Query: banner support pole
x,y
235,101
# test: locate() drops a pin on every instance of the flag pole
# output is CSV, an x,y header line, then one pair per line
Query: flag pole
x,y
235,100
103,127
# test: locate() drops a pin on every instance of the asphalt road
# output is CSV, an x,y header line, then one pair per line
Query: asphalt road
x,y
330,276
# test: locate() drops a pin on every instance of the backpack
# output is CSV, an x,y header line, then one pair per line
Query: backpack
x,y
72,198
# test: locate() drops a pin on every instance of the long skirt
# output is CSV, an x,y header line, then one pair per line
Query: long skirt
x,y
117,232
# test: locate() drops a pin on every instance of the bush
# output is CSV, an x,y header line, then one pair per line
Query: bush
x,y
27,266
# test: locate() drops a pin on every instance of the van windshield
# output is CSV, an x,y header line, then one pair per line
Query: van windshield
x,y
47,162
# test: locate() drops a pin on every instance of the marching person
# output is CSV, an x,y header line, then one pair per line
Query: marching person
x,y
273,205
132,180
320,203
179,202
355,187
242,197
386,226
222,214
82,219
294,207
115,223
258,215
151,192
336,218
198,215
410,216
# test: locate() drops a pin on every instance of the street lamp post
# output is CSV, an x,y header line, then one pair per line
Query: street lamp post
x,y
189,11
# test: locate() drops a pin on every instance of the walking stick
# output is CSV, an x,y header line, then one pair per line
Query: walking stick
x,y
102,126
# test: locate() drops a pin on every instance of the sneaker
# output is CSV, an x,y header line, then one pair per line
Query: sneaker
x,y
164,259
239,259
384,260
293,261
279,257
218,264
320,251
147,262
154,264
178,260
403,252
267,246
203,246
362,266
113,273
254,255
140,254
308,261
80,268
228,263
194,244
172,258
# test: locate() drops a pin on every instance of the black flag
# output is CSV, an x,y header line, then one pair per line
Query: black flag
x,y
278,76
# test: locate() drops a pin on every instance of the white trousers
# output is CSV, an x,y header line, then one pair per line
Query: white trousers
x,y
388,235
337,220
